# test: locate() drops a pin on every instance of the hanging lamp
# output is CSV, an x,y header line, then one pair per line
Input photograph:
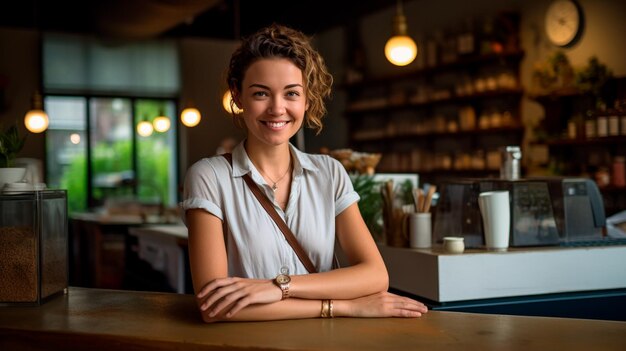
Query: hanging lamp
x,y
144,128
36,120
190,117
400,48
161,123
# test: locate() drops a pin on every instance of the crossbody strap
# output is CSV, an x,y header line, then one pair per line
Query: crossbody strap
x,y
269,207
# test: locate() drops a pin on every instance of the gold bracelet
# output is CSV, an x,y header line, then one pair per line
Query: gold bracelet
x,y
325,313
330,309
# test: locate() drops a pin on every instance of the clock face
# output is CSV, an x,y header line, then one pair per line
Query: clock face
x,y
563,22
283,279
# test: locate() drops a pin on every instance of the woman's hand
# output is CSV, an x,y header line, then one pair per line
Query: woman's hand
x,y
238,293
383,304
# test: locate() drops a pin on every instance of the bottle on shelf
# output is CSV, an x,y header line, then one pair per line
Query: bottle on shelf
x,y
575,127
465,40
590,125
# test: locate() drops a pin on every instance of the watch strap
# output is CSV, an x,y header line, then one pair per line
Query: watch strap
x,y
284,288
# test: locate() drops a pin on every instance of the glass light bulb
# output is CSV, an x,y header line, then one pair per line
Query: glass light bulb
x,y
400,50
161,124
190,117
75,138
227,106
144,128
36,121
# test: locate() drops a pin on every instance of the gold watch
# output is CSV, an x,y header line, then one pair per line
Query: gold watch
x,y
282,281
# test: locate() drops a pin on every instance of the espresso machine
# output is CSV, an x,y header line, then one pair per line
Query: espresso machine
x,y
544,211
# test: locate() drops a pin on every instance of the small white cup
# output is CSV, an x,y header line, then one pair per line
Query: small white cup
x,y
420,230
496,214
454,244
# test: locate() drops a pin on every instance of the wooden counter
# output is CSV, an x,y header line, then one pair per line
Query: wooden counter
x,y
120,320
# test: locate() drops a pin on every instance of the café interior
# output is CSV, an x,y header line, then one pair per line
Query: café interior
x,y
114,100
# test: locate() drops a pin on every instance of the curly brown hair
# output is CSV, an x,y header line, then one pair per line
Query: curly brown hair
x,y
278,41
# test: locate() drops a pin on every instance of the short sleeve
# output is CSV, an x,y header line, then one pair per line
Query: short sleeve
x,y
201,189
344,191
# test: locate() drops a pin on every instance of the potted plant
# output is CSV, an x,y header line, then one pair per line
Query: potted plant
x,y
11,143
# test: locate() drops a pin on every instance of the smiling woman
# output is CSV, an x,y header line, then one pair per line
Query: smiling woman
x,y
242,266
274,110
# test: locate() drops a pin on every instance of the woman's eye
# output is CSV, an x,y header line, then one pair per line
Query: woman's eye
x,y
259,93
293,93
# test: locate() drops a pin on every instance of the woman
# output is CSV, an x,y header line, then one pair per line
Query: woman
x,y
241,264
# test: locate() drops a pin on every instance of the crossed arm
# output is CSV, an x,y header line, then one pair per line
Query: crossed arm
x,y
359,290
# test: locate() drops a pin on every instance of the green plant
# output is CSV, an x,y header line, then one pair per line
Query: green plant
x,y
10,145
371,202
592,77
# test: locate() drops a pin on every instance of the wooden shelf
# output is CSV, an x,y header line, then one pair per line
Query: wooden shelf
x,y
396,124
587,142
475,132
468,173
496,94
513,57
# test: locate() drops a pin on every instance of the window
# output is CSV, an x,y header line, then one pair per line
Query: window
x,y
95,96
94,151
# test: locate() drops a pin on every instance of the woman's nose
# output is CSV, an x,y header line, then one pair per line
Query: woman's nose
x,y
277,107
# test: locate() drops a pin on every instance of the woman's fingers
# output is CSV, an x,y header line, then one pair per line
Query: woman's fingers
x,y
241,304
385,304
218,294
214,284
231,295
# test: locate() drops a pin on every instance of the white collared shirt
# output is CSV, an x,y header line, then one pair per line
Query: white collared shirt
x,y
320,190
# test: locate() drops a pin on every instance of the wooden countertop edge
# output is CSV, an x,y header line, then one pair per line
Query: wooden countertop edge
x,y
20,339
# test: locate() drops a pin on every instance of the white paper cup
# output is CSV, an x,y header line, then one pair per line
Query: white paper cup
x,y
420,230
496,214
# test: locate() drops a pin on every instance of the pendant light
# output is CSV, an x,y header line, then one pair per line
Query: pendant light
x,y
190,117
400,48
161,123
144,128
229,105
36,120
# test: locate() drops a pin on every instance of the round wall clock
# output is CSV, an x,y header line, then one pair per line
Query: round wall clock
x,y
564,22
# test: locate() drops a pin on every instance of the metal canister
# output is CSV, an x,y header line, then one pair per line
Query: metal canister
x,y
511,165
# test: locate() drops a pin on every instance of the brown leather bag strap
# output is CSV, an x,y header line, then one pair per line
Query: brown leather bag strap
x,y
269,207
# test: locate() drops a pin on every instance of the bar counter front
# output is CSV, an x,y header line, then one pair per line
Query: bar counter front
x,y
94,319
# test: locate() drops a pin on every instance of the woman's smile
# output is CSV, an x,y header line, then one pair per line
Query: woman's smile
x,y
275,125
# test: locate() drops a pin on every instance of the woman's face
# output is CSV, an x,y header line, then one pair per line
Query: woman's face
x,y
273,101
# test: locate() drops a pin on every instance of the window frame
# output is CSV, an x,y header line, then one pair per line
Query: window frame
x,y
91,201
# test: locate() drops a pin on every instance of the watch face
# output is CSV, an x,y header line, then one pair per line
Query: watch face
x,y
563,20
283,279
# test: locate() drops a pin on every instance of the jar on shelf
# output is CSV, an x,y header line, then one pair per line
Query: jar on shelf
x,y
590,126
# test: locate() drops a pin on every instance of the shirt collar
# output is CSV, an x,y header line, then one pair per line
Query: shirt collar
x,y
243,165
